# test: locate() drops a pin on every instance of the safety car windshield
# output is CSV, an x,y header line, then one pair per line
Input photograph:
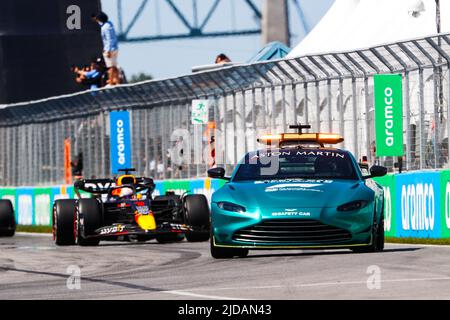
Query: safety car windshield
x,y
296,164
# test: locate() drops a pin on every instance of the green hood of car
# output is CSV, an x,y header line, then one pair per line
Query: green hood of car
x,y
293,193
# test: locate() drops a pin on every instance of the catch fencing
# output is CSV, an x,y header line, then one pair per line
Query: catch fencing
x,y
332,92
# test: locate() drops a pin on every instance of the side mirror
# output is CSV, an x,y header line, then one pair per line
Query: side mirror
x,y
217,173
377,171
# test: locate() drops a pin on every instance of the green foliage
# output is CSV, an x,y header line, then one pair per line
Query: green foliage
x,y
139,77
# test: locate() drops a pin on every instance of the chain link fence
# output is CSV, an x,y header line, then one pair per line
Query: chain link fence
x,y
332,92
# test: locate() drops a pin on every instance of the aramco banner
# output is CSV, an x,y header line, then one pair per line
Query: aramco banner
x,y
389,115
120,141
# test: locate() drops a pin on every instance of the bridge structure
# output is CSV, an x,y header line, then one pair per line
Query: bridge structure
x,y
270,19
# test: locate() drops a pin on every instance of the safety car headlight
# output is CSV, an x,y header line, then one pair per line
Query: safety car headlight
x,y
227,206
353,206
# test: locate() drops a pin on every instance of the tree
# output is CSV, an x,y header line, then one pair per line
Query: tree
x,y
139,77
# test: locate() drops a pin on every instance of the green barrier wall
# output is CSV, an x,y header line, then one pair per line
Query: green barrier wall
x,y
445,203
33,206
417,204
389,204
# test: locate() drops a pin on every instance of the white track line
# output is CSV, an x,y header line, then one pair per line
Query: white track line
x,y
322,284
33,234
195,295
420,245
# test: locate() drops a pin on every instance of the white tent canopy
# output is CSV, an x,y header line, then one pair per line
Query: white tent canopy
x,y
357,24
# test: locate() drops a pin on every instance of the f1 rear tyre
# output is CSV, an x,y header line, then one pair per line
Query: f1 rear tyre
x,y
7,219
197,215
63,222
88,219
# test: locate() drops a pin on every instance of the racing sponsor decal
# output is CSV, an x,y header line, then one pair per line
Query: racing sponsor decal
x,y
120,138
111,230
447,205
418,207
295,185
300,181
331,154
98,186
291,213
388,115
144,210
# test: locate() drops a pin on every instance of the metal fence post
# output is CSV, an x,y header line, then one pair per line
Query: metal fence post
x,y
422,119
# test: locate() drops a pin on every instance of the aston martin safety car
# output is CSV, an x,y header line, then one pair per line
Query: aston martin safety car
x,y
125,209
297,194
7,219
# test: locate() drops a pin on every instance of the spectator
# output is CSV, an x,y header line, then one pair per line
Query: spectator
x,y
77,166
92,76
160,169
222,58
110,48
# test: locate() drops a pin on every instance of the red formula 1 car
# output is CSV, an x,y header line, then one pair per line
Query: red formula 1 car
x,y
124,208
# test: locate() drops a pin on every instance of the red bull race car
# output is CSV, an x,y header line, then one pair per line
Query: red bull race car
x,y
124,209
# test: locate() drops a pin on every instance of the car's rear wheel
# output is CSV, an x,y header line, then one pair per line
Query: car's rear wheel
x,y
226,253
63,222
88,219
196,215
7,219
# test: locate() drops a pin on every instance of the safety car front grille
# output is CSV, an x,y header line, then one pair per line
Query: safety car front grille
x,y
292,231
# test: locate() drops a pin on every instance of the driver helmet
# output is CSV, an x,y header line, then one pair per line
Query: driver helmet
x,y
123,192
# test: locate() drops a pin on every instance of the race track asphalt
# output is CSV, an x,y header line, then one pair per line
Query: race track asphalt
x,y
32,267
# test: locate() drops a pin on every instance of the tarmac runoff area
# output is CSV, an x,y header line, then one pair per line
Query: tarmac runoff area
x,y
32,267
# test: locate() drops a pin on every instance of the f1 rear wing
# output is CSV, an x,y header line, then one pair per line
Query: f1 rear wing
x,y
95,186
105,186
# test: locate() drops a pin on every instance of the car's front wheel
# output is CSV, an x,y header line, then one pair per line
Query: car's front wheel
x,y
225,253
197,215
377,244
88,219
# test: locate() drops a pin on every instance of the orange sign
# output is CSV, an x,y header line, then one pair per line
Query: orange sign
x,y
67,165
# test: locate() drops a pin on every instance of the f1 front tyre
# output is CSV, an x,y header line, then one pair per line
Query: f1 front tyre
x,y
88,219
197,215
225,253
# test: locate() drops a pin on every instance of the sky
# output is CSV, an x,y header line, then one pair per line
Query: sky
x,y
170,58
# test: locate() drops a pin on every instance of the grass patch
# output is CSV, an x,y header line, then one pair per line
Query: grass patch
x,y
34,229
438,242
